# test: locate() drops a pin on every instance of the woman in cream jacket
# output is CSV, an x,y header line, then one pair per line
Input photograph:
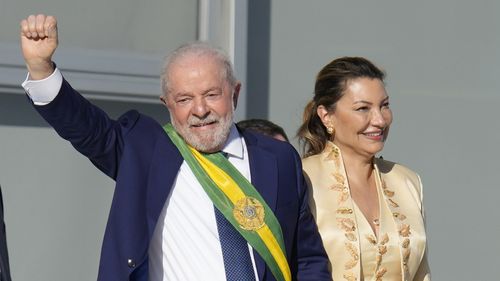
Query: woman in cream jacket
x,y
369,211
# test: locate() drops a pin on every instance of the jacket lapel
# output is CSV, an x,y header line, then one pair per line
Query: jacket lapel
x,y
264,174
163,172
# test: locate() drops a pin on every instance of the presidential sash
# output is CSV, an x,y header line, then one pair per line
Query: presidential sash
x,y
238,200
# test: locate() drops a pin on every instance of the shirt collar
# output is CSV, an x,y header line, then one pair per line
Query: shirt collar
x,y
234,143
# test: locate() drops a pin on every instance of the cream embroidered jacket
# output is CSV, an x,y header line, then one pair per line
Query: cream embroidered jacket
x,y
355,253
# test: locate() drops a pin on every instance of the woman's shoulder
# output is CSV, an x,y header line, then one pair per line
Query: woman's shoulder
x,y
311,158
390,167
398,173
312,161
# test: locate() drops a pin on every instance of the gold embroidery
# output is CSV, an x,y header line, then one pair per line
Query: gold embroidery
x,y
404,230
343,197
385,239
394,204
380,273
344,211
382,249
346,224
336,151
371,239
353,251
406,256
350,264
399,216
333,154
338,187
349,276
351,236
405,243
339,177
378,260
388,193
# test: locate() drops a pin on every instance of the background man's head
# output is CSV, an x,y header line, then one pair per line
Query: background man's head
x,y
201,93
264,127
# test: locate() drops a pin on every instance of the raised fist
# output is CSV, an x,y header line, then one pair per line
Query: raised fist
x,y
38,44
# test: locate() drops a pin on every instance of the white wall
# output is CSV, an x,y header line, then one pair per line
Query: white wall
x,y
442,62
56,205
154,26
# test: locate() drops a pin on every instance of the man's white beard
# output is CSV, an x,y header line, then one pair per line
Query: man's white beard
x,y
209,141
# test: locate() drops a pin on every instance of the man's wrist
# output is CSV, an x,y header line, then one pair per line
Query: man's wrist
x,y
40,70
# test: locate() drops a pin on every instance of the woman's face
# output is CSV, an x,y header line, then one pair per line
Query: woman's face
x,y
361,118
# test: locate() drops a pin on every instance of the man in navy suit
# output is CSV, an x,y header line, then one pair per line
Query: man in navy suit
x,y
162,224
4,253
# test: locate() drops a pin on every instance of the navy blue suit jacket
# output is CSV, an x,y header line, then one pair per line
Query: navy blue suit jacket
x,y
135,151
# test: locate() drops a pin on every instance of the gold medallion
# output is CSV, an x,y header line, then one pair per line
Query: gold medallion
x,y
249,213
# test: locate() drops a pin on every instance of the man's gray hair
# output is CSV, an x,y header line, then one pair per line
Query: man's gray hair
x,y
197,49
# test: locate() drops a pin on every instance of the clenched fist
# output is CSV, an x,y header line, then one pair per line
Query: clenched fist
x,y
38,44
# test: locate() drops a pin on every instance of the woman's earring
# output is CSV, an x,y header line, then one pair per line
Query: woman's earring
x,y
330,130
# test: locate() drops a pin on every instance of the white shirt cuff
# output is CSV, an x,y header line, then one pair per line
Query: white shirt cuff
x,y
42,92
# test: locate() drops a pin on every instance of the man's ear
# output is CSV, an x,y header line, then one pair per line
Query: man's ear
x,y
163,99
236,94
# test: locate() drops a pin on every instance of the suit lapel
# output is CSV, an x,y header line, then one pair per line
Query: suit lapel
x,y
165,165
264,174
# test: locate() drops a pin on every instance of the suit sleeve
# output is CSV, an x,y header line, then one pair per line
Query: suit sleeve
x,y
88,128
311,256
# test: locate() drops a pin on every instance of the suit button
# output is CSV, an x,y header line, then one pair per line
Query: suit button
x,y
131,263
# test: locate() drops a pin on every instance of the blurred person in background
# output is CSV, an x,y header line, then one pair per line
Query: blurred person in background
x,y
264,127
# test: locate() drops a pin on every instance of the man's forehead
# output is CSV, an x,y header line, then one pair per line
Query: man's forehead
x,y
195,73
192,65
195,59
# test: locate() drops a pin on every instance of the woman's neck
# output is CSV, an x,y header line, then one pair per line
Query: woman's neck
x,y
358,168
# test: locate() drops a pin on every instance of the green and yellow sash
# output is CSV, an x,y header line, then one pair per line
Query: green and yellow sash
x,y
239,201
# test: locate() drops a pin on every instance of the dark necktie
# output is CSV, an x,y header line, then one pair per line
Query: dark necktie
x,y
237,262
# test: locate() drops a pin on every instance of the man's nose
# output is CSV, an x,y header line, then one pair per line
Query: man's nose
x,y
201,109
